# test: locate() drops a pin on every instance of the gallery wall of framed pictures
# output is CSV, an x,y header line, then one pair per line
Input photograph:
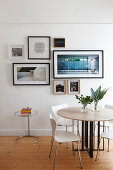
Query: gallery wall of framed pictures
x,y
68,65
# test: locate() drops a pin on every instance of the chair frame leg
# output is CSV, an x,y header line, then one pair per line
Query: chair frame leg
x,y
79,155
55,156
73,148
52,141
108,145
108,141
98,149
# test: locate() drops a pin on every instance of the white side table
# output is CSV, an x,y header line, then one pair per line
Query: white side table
x,y
33,113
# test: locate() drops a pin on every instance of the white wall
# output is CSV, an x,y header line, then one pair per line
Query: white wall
x,y
56,11
41,18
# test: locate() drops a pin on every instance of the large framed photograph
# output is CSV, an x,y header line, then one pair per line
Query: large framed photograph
x,y
59,86
73,86
39,47
31,74
78,64
16,52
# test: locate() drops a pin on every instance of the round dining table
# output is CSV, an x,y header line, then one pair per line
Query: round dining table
x,y
90,116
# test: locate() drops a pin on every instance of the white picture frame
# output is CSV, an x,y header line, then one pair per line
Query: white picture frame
x,y
16,52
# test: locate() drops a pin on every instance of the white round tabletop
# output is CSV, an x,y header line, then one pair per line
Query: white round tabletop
x,y
75,113
33,113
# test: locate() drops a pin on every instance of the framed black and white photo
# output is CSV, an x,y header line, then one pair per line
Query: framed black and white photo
x,y
73,86
39,47
59,42
78,64
16,52
31,74
59,86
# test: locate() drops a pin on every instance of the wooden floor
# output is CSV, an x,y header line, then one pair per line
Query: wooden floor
x,y
23,155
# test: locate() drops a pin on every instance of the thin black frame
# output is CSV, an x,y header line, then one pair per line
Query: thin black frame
x,y
48,47
75,76
30,64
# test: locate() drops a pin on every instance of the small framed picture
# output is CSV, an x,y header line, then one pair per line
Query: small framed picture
x,y
59,42
39,47
73,86
31,73
59,86
16,52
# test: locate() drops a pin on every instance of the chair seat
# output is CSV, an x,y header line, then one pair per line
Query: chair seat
x,y
64,122
107,135
64,136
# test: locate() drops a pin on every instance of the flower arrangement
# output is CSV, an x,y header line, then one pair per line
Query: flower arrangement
x,y
84,101
97,95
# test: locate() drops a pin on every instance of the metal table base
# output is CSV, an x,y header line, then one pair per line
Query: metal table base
x,y
28,135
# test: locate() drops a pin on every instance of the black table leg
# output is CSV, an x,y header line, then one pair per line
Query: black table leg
x,y
82,135
86,134
91,140
98,133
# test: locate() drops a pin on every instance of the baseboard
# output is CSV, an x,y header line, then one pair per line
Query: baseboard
x,y
19,132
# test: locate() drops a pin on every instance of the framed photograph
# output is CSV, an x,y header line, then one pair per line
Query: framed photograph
x,y
59,42
78,64
31,74
59,86
73,86
16,52
39,47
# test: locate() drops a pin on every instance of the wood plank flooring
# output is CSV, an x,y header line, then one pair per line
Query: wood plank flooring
x,y
23,155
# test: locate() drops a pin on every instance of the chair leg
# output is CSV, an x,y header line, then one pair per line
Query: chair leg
x,y
52,140
108,145
78,133
108,141
73,148
55,156
66,131
98,150
79,154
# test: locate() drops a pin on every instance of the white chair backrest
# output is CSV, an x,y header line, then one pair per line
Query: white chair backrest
x,y
56,108
53,125
108,106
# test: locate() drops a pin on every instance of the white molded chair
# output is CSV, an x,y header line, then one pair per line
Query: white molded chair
x,y
107,124
62,137
63,121
107,135
59,120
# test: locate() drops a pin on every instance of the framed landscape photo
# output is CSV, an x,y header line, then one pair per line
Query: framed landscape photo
x,y
73,86
31,74
59,86
16,52
77,64
39,47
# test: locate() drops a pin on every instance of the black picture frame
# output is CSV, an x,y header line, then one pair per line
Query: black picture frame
x,y
59,42
39,47
62,56
31,73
